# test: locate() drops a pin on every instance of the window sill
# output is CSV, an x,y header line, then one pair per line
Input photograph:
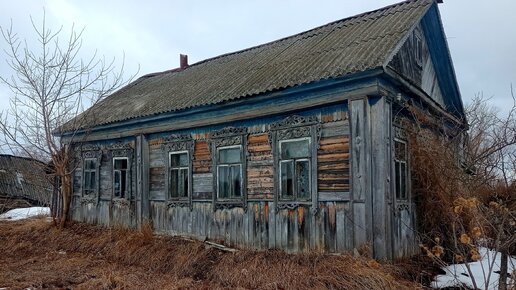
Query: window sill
x,y
87,199
178,203
229,204
120,201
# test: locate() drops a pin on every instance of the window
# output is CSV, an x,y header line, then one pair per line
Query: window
x,y
90,176
120,180
400,169
229,172
295,169
178,174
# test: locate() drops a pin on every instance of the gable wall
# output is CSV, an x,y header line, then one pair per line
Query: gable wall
x,y
421,74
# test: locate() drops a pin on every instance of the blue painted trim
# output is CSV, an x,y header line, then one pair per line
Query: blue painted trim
x,y
340,107
294,94
441,59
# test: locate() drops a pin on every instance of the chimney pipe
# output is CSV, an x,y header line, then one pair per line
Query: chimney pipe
x,y
183,61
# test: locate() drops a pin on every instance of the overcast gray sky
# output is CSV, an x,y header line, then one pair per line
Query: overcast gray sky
x,y
152,34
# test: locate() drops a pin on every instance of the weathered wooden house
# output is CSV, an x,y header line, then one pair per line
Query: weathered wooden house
x,y
292,144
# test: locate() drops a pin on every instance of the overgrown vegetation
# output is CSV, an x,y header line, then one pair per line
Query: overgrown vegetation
x,y
81,256
465,186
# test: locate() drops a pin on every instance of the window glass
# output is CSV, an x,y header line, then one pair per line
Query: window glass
x,y
229,155
287,179
400,169
229,172
303,178
179,160
223,176
121,164
89,178
120,177
295,149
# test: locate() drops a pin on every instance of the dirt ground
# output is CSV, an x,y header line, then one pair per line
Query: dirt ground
x,y
36,255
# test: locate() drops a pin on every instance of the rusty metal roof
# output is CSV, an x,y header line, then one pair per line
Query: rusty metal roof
x,y
333,50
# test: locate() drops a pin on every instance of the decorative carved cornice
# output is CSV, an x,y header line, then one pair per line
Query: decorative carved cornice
x,y
294,121
228,141
293,133
177,138
228,131
400,133
119,145
90,147
120,149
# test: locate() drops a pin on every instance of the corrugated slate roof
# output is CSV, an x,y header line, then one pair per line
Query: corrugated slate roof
x,y
336,49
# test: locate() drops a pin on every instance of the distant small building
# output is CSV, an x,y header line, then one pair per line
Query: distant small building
x,y
298,144
23,182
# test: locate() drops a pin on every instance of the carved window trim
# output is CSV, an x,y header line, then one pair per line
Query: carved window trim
x,y
116,151
224,138
89,151
175,144
291,128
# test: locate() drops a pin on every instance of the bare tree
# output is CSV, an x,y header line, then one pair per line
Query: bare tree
x,y
51,83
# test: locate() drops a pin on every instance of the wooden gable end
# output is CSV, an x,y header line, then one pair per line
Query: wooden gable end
x,y
424,59
414,63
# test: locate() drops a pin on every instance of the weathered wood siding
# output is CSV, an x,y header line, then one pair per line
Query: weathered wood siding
x,y
103,208
422,74
341,220
260,227
260,171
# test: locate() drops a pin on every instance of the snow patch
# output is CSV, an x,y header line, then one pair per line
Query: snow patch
x,y
457,275
25,213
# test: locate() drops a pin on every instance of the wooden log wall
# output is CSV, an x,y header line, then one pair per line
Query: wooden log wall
x,y
260,178
330,228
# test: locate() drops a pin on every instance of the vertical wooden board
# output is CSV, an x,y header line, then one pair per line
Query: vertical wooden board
x,y
380,171
341,228
359,224
358,150
265,225
245,226
272,224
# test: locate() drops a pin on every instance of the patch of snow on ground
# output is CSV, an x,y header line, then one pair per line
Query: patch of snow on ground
x,y
24,213
457,274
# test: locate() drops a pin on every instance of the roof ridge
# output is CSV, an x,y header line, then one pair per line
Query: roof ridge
x,y
292,36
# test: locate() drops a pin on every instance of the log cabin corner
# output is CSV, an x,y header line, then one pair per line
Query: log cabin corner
x,y
294,144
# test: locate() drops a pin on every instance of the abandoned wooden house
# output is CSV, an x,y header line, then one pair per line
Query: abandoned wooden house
x,y
294,144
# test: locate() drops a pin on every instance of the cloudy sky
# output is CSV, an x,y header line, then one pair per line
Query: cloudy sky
x,y
151,34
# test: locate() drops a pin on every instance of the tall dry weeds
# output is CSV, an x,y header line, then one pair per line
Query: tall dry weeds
x,y
90,257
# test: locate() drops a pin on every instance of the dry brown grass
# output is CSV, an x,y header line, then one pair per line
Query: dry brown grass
x,y
35,254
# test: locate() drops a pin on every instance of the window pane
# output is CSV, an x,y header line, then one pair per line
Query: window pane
x,y
295,149
123,183
223,176
116,183
179,160
303,178
120,163
184,183
236,181
287,179
400,151
397,178
403,180
174,192
89,164
229,155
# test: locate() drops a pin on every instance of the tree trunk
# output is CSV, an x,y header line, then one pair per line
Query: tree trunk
x,y
65,192
502,281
